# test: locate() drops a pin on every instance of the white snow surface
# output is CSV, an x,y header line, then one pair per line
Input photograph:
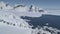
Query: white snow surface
x,y
53,12
7,21
13,30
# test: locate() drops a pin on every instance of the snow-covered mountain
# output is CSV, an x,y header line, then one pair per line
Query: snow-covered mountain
x,y
23,10
5,6
11,23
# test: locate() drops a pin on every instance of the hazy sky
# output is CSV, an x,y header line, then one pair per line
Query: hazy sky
x,y
47,4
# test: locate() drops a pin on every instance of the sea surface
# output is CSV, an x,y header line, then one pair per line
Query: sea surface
x,y
52,20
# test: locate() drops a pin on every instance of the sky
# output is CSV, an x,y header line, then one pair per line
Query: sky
x,y
46,4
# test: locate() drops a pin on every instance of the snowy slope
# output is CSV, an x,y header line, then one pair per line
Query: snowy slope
x,y
11,24
13,30
12,19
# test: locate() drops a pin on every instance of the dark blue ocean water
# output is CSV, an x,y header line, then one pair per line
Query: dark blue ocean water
x,y
53,20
